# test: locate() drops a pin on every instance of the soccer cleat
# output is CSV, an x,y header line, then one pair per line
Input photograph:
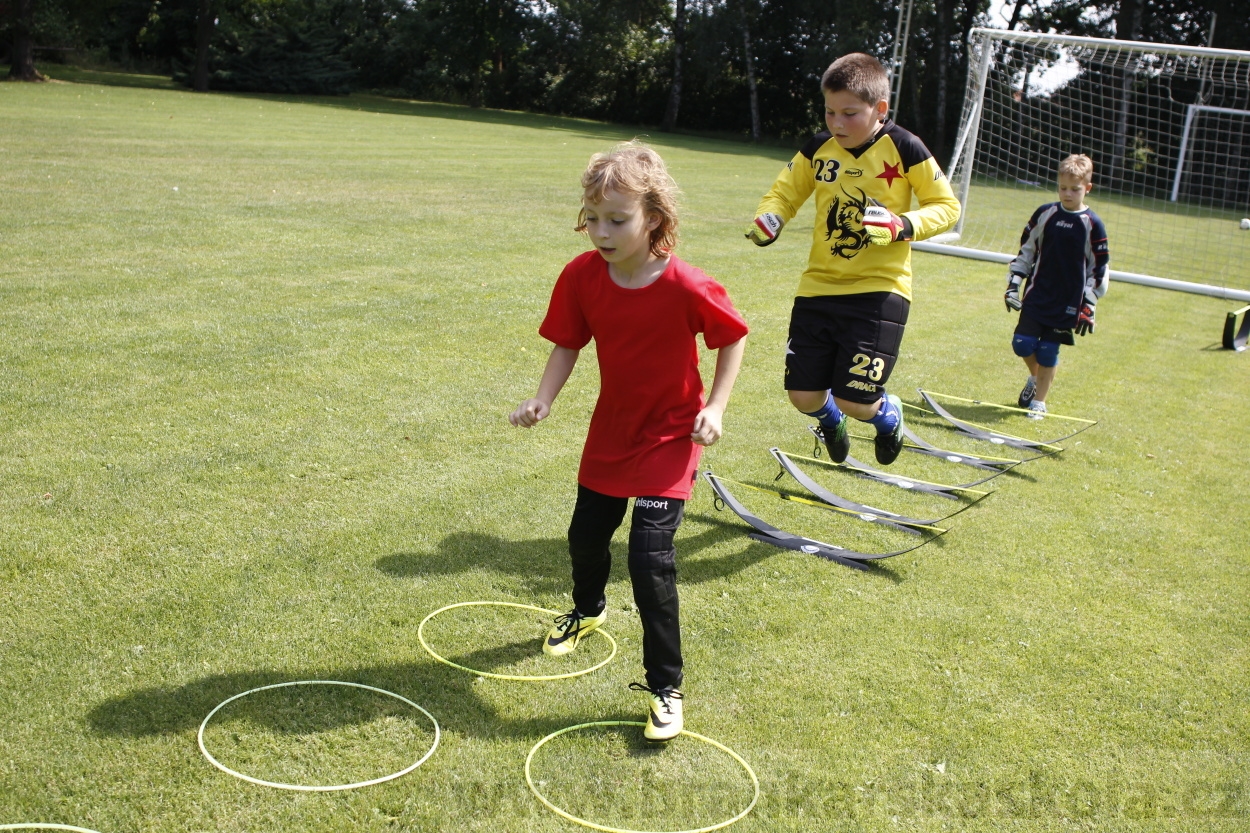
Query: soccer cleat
x,y
889,445
569,630
837,441
664,718
1027,394
1037,409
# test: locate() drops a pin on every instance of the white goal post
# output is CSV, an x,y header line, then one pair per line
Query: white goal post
x,y
1168,128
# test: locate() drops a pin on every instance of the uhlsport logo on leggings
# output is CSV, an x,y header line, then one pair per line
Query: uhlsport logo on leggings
x,y
643,503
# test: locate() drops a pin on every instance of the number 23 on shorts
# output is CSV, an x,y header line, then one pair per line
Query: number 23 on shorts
x,y
865,365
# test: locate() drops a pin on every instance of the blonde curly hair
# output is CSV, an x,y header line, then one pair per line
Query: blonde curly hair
x,y
634,168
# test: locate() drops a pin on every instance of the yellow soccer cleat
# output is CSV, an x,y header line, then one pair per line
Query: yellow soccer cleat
x,y
568,631
664,718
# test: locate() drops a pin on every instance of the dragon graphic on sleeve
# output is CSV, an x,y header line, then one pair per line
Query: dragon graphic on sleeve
x,y
845,219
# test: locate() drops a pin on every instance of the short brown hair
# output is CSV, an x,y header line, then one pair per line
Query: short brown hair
x,y
1078,165
859,74
634,168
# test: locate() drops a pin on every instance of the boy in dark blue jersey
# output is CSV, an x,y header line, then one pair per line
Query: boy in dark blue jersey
x,y
1056,279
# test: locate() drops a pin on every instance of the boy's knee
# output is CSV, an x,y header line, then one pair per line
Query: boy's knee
x,y
1024,346
651,550
652,567
808,401
1047,353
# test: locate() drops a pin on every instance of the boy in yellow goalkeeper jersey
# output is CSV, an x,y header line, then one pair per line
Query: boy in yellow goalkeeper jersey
x,y
853,298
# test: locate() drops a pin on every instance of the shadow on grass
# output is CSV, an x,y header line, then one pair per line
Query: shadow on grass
x,y
541,565
447,693
603,132
759,552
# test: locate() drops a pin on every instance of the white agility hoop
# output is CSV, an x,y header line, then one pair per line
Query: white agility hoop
x,y
303,787
755,782
529,678
38,826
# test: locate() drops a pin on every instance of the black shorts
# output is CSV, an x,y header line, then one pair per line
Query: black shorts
x,y
845,343
1031,328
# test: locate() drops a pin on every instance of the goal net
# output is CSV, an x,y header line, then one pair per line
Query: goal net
x,y
1168,128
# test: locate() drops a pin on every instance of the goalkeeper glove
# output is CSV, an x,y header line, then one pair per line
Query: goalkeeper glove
x,y
1085,318
882,225
1012,296
764,229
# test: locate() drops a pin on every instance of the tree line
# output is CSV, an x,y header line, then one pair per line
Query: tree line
x,y
747,68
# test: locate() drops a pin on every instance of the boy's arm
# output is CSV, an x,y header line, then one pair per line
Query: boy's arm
x,y
790,190
1021,267
1095,278
559,367
707,425
939,209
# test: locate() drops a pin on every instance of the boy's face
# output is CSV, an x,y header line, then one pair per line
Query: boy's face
x,y
1072,191
851,120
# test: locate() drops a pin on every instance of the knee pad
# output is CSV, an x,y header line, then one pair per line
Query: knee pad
x,y
651,550
1024,346
1047,353
652,567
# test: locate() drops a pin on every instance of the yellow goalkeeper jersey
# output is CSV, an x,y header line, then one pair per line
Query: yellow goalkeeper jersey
x,y
890,168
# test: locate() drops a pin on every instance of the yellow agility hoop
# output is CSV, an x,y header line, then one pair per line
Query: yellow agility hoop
x,y
755,782
301,787
532,678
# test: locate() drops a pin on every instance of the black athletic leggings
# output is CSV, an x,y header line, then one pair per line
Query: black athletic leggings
x,y
652,570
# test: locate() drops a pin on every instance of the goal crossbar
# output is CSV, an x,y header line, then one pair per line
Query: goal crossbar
x,y
1168,129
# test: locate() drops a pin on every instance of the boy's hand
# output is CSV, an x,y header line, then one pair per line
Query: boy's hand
x,y
1012,296
529,413
882,225
1085,318
764,230
707,426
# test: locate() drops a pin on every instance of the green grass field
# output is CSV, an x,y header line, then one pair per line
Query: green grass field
x,y
255,360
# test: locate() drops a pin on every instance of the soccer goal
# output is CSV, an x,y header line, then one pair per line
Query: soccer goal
x,y
1168,128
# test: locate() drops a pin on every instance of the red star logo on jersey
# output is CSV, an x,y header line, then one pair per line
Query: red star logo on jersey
x,y
890,174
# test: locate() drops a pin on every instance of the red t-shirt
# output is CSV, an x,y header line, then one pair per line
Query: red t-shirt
x,y
649,386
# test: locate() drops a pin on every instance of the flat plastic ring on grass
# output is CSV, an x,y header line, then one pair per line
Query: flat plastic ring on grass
x,y
755,782
45,827
306,788
532,678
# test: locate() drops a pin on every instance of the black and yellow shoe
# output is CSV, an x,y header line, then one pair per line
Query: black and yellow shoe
x,y
664,717
568,631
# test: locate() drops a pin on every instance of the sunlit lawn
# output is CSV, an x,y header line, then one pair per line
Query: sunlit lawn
x,y
255,360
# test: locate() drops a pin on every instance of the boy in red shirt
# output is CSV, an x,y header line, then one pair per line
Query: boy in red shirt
x,y
643,307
